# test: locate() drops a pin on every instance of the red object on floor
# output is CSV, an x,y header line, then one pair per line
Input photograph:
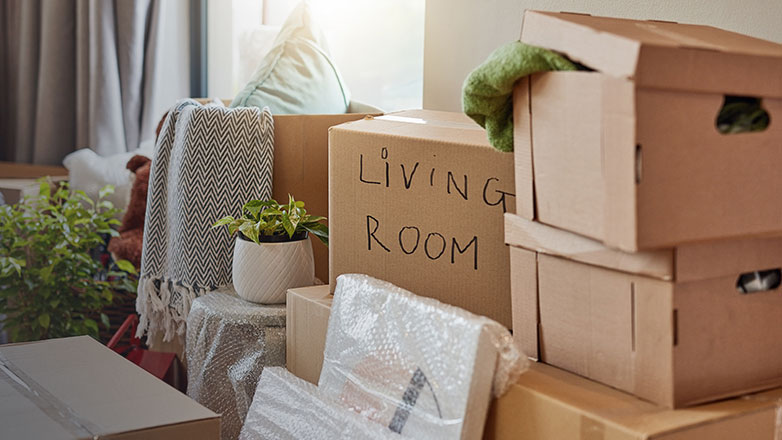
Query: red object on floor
x,y
156,363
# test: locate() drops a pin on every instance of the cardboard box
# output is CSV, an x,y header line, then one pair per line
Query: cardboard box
x,y
416,199
548,403
76,388
306,323
669,326
18,180
301,158
630,154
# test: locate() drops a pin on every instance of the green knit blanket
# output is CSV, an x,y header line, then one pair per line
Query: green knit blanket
x,y
487,95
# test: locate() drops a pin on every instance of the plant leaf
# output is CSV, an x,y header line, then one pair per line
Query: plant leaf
x,y
223,221
289,227
105,191
44,189
319,230
105,320
43,320
92,325
127,266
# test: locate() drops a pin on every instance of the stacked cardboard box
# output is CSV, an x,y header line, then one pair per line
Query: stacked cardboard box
x,y
76,388
646,252
643,249
416,198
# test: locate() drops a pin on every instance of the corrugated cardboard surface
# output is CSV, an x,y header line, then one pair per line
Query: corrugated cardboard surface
x,y
301,158
307,320
417,200
611,327
548,403
629,154
674,337
661,54
522,145
553,241
698,184
726,341
82,381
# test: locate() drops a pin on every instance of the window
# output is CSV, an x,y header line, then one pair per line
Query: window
x,y
378,45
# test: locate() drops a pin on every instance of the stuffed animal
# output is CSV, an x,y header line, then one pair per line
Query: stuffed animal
x,y
128,245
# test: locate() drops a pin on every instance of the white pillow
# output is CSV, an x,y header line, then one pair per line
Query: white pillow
x,y
297,76
90,172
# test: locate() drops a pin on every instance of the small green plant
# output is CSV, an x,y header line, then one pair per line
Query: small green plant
x,y
50,285
269,218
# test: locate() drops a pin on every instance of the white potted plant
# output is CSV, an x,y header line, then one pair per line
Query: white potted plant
x,y
273,252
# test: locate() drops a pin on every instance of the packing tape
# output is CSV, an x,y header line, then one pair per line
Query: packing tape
x,y
50,405
591,429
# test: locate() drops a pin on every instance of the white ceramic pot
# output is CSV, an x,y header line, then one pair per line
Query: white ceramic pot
x,y
264,273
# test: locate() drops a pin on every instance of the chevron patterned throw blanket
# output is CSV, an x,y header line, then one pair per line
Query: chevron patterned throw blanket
x,y
209,160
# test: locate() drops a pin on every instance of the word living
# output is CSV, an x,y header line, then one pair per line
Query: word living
x,y
453,183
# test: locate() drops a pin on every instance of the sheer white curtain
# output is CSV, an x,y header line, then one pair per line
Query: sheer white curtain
x,y
87,73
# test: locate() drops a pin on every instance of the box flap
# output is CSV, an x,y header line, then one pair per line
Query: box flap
x,y
102,391
549,240
662,54
432,125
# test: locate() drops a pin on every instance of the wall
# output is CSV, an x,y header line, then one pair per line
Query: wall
x,y
460,34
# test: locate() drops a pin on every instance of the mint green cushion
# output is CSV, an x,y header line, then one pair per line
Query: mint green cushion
x,y
297,76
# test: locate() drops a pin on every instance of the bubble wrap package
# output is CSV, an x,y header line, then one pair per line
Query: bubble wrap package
x,y
412,366
420,367
229,343
288,408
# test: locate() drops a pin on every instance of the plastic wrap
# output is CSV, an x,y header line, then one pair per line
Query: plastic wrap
x,y
289,408
229,342
422,368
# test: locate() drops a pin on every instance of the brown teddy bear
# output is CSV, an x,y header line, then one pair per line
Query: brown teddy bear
x,y
128,245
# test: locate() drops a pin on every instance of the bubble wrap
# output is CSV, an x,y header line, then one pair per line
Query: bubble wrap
x,y
229,342
423,368
410,365
288,408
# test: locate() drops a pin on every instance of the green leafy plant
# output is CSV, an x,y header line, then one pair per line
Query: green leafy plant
x,y
50,285
268,218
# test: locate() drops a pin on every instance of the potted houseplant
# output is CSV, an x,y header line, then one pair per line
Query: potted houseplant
x,y
51,285
273,252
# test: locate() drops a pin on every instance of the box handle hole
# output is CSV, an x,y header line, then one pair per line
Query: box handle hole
x,y
742,114
759,281
638,163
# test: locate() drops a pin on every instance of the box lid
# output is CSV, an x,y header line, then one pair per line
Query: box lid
x,y
662,54
77,388
687,262
450,127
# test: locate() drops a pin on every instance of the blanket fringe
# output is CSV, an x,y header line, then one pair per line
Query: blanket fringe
x,y
157,313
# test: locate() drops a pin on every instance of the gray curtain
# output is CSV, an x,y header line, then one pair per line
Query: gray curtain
x,y
83,73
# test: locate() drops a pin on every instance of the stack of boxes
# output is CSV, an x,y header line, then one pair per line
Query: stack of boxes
x,y
644,246
645,254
